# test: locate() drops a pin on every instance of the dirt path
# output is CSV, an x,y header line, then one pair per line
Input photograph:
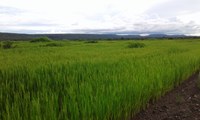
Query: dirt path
x,y
182,103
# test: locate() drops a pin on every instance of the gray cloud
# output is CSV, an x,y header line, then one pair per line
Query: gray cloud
x,y
149,27
172,8
162,18
35,24
22,31
10,10
135,28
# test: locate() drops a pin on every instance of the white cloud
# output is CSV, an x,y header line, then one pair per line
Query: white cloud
x,y
103,16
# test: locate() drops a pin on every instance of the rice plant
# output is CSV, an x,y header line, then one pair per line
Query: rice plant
x,y
90,82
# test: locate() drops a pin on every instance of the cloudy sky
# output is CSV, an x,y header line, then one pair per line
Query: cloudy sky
x,y
100,16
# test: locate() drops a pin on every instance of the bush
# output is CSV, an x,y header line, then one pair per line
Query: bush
x,y
7,45
41,39
136,45
91,41
53,45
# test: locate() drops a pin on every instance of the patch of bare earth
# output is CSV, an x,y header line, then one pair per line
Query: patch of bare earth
x,y
182,103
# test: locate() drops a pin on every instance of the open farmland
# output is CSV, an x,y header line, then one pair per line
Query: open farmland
x,y
78,80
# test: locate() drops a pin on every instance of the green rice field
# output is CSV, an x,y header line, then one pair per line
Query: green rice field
x,y
79,80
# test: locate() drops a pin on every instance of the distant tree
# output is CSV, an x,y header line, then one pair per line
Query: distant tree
x,y
136,45
7,45
41,39
54,45
91,41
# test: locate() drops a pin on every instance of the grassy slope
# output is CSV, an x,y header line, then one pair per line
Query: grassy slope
x,y
104,80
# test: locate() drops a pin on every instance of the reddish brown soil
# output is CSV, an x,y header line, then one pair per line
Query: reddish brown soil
x,y
182,103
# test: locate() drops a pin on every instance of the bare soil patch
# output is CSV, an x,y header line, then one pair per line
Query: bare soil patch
x,y
182,103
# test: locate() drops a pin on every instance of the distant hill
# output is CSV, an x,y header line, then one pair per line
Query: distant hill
x,y
165,36
23,37
13,36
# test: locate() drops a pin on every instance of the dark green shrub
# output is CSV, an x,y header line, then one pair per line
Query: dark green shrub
x,y
136,45
53,45
41,39
91,41
7,45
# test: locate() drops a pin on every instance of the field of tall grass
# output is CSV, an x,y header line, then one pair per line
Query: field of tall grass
x,y
78,80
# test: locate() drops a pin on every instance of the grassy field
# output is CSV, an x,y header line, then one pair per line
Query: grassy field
x,y
78,80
